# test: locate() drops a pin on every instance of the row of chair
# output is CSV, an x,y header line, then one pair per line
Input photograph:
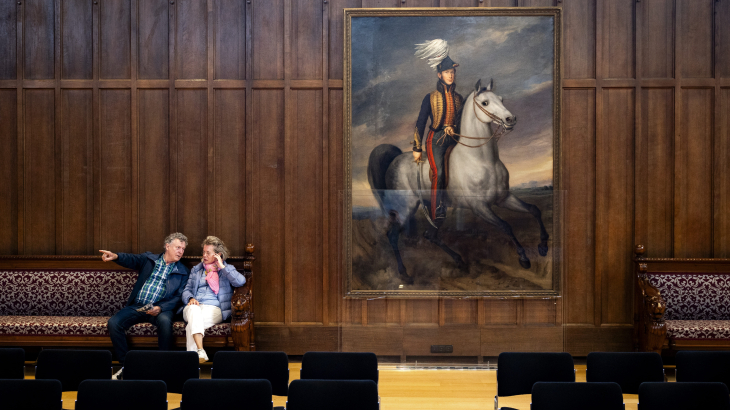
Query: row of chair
x,y
253,394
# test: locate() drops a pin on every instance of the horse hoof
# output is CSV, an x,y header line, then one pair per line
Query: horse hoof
x,y
525,263
542,248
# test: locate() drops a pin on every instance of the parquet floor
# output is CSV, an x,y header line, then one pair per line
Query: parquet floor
x,y
422,389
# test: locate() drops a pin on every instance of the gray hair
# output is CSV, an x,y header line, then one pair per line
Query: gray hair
x,y
218,246
177,235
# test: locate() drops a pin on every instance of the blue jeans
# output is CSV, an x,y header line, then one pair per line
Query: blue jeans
x,y
128,317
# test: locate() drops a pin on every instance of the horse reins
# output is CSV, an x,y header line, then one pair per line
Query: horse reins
x,y
501,129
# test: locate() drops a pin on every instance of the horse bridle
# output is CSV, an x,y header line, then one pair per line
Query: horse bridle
x,y
501,128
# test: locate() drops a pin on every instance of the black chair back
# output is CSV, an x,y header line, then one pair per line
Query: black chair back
x,y
12,363
333,395
122,395
226,394
576,396
339,366
174,368
517,372
30,394
272,366
71,367
628,369
703,367
684,396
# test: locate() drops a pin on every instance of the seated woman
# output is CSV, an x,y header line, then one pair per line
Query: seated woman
x,y
208,293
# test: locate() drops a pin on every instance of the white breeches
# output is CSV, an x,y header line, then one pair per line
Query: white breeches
x,y
199,318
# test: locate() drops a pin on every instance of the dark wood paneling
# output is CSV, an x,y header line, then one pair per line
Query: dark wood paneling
x,y
39,43
306,160
422,311
695,26
496,340
307,39
657,38
39,173
8,40
655,172
297,340
9,172
457,3
380,3
383,311
618,38
78,190
268,40
336,198
721,204
76,39
460,312
580,39
581,340
537,3
693,175
154,169
421,3
336,34
383,341
579,171
230,39
500,3
615,205
115,186
115,39
465,340
152,39
268,191
722,17
191,39
192,165
230,168
501,312
539,311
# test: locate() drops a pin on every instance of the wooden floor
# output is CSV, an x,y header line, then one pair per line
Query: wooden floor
x,y
422,389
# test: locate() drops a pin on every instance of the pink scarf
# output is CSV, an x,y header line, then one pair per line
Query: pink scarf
x,y
211,275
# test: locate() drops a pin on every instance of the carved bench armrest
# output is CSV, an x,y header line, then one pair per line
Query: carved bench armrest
x,y
653,307
242,315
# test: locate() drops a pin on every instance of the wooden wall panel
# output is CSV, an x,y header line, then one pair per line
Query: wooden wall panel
x,y
76,39
697,46
383,311
336,199
422,311
454,3
307,40
536,3
618,39
580,39
267,222
230,168
380,3
192,165
9,172
191,39
336,34
115,39
655,172
579,170
500,3
721,204
116,190
78,190
539,312
460,312
502,312
155,219
615,205
306,225
693,175
268,40
39,43
722,28
230,39
8,40
657,38
39,173
152,39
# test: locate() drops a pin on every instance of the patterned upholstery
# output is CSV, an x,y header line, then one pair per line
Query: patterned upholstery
x,y
698,329
694,296
71,303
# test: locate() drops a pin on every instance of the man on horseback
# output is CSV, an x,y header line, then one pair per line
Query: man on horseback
x,y
443,106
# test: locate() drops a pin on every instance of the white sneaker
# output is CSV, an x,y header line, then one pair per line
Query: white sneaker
x,y
202,357
118,375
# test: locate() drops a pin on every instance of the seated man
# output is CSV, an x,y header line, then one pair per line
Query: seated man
x,y
155,297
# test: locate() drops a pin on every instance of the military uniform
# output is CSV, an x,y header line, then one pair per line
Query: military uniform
x,y
443,106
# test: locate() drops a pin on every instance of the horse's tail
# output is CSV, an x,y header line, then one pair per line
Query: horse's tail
x,y
378,163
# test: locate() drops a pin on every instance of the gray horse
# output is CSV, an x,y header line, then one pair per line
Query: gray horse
x,y
477,178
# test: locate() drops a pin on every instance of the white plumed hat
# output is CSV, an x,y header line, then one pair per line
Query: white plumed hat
x,y
435,51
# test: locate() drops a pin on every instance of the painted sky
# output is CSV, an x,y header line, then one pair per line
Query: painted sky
x,y
389,83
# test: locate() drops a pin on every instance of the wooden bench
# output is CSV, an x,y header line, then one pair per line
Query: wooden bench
x,y
67,300
681,303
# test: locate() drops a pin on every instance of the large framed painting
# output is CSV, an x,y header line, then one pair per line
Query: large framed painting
x,y
451,146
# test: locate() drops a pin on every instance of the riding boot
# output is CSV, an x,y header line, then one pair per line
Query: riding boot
x,y
440,208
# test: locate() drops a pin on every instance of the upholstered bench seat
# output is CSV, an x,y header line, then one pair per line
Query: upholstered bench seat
x,y
87,326
698,329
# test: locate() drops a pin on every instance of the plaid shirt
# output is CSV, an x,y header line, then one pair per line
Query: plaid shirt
x,y
154,288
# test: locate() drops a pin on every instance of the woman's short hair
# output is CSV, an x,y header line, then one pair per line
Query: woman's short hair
x,y
218,246
177,235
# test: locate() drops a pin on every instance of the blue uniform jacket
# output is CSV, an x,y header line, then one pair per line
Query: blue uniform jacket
x,y
145,263
227,277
